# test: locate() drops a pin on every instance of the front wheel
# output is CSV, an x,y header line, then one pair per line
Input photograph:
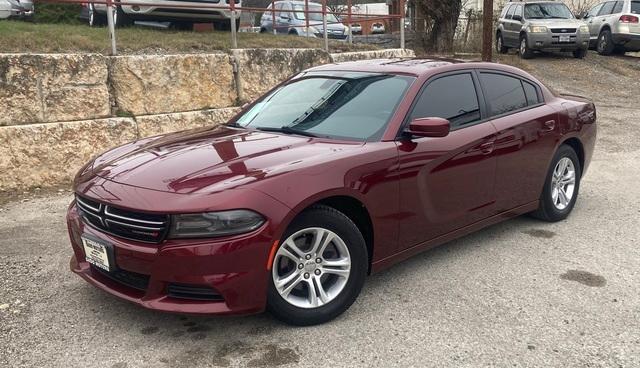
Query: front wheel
x,y
579,53
318,269
605,43
500,47
525,51
561,186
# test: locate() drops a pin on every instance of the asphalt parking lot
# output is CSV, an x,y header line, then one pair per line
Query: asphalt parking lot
x,y
522,293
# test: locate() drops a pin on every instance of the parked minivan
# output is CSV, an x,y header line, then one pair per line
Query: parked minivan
x,y
290,19
614,26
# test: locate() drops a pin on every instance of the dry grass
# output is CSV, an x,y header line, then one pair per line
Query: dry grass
x,y
16,36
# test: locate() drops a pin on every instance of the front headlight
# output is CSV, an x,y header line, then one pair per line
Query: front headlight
x,y
537,29
584,28
213,224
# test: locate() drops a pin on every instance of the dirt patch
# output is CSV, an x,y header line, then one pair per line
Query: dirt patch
x,y
584,277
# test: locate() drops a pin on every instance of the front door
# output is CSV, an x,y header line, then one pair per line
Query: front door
x,y
446,183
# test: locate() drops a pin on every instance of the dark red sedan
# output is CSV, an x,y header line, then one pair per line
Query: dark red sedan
x,y
341,171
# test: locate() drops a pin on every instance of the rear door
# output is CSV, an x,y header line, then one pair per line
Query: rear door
x,y
508,27
446,183
594,27
526,137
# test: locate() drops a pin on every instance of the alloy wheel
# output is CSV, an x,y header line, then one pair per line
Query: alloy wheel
x,y
602,43
311,267
523,46
499,43
563,183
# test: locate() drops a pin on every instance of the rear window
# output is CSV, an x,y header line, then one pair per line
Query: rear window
x,y
503,93
635,7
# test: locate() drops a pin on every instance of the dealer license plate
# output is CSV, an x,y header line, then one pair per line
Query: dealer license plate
x,y
565,38
96,253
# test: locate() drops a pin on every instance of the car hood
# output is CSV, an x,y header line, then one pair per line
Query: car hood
x,y
557,23
210,159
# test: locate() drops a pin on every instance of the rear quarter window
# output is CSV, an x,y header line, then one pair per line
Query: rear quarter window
x,y
635,7
503,93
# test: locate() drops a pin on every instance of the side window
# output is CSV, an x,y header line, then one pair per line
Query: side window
x,y
452,97
594,11
607,8
503,93
618,7
518,10
531,93
286,10
510,12
505,11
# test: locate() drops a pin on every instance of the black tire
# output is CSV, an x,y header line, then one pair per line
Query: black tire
x,y
548,210
335,221
524,50
121,19
605,44
580,53
182,26
225,25
500,47
95,19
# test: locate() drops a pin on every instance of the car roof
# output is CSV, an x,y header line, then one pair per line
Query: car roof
x,y
411,66
297,2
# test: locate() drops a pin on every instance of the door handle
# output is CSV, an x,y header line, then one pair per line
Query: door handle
x,y
487,147
549,126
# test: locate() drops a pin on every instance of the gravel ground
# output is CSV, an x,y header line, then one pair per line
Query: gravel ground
x,y
521,293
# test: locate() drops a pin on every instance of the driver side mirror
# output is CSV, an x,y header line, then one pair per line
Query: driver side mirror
x,y
517,17
429,127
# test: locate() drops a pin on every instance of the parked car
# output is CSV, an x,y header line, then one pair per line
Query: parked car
x,y
16,9
342,171
183,18
356,29
614,26
377,28
541,26
290,19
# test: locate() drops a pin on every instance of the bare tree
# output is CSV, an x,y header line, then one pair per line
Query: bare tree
x,y
580,6
441,20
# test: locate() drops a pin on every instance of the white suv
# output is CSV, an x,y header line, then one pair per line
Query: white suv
x,y
183,18
614,26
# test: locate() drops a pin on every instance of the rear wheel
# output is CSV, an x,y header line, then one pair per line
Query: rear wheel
x,y
605,43
525,51
561,186
500,47
318,269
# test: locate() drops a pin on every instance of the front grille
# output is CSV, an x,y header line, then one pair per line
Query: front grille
x,y
131,279
145,227
563,30
193,292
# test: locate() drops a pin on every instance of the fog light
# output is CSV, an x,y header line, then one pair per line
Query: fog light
x,y
135,8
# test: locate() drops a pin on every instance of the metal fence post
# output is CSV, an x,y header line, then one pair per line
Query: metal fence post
x,y
324,25
350,34
273,17
402,24
306,15
111,26
234,31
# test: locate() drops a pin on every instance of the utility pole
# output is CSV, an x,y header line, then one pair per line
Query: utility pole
x,y
487,30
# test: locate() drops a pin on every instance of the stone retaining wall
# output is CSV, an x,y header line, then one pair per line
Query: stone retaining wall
x,y
58,110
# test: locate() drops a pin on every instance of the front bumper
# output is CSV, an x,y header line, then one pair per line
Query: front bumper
x,y
551,41
234,267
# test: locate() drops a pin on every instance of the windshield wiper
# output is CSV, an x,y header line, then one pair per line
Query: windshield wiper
x,y
287,130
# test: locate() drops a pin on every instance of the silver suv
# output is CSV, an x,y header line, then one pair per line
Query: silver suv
x,y
290,19
540,26
614,26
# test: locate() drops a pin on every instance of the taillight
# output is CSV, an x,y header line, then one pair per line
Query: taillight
x,y
629,19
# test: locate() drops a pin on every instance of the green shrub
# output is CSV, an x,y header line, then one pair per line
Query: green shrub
x,y
57,13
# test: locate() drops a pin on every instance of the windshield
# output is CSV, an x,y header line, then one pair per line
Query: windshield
x,y
353,106
635,7
299,14
547,11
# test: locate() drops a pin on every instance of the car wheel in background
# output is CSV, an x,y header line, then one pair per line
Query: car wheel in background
x,y
605,44
182,26
120,18
95,19
561,186
318,269
525,51
500,47
579,53
225,25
